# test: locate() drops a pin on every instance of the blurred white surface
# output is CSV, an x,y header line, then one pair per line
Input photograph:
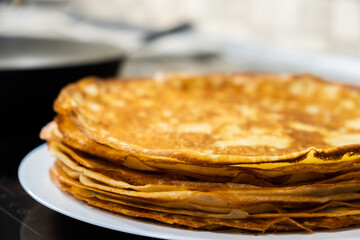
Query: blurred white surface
x,y
279,36
38,21
319,26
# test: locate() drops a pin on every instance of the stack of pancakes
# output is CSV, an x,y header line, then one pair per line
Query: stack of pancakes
x,y
252,152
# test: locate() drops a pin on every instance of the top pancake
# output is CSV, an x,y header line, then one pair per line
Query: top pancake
x,y
227,119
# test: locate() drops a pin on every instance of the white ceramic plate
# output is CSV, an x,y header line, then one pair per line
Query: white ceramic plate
x,y
34,177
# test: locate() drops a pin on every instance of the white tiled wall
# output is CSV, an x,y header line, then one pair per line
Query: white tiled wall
x,y
312,25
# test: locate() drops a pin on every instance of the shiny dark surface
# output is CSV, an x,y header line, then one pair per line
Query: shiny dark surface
x,y
22,218
26,99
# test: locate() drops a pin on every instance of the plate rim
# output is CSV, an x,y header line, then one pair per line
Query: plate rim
x,y
198,234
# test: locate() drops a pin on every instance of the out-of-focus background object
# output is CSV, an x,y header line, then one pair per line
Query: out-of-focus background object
x,y
319,26
281,36
316,26
32,72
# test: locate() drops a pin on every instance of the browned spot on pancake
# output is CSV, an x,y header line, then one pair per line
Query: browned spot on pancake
x,y
220,117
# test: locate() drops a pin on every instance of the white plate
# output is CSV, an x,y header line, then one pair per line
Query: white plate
x,y
34,177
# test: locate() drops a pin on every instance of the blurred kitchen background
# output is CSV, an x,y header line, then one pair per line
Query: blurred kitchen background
x,y
281,36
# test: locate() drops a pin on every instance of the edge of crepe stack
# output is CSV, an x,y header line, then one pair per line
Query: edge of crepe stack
x,y
254,199
68,101
310,190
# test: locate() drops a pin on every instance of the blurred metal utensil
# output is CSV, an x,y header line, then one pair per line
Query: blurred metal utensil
x,y
153,35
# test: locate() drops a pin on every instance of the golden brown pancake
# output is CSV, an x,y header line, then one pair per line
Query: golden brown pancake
x,y
330,216
290,174
253,152
218,119
122,178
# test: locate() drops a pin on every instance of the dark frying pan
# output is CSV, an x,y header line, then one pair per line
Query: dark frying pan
x,y
32,72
